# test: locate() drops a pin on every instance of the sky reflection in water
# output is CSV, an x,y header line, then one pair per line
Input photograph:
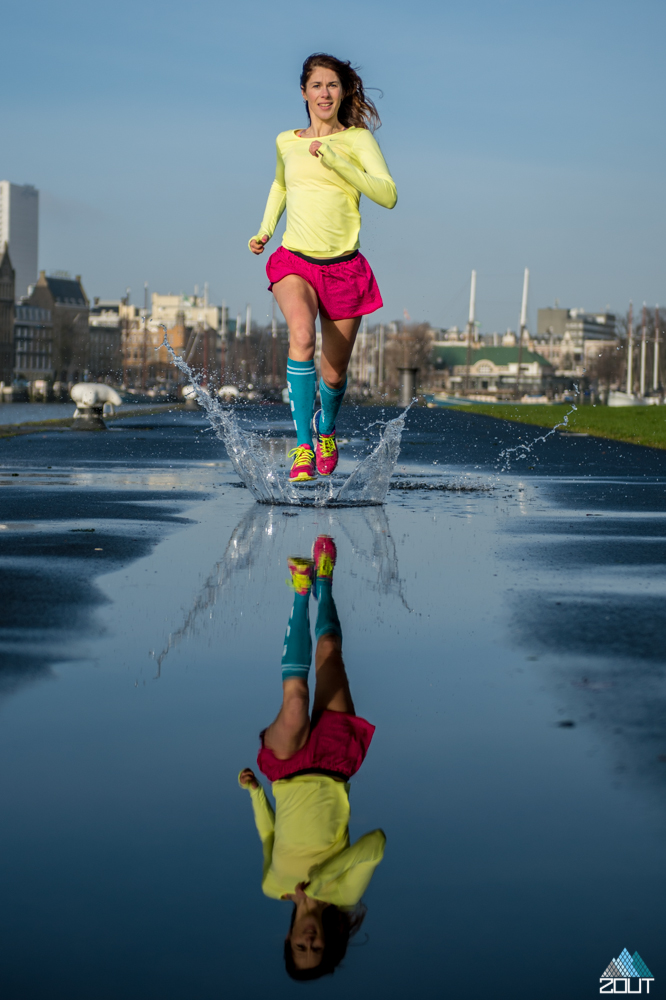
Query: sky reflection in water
x,y
474,623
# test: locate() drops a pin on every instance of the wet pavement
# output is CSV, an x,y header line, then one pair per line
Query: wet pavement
x,y
503,630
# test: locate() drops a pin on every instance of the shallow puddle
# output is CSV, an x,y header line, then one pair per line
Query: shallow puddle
x,y
506,644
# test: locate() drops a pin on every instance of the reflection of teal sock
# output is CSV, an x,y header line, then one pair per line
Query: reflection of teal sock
x,y
297,652
331,401
327,616
301,382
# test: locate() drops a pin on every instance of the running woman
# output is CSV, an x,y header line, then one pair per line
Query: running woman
x,y
321,173
308,858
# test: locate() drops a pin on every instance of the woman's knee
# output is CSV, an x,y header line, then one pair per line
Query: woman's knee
x,y
302,338
329,642
336,380
295,704
334,369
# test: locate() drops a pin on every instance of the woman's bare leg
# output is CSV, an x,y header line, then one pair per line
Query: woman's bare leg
x,y
291,728
299,305
332,687
337,343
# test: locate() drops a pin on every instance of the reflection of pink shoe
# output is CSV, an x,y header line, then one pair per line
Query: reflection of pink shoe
x,y
324,554
326,448
302,574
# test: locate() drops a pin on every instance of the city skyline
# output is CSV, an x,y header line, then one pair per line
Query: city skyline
x,y
514,137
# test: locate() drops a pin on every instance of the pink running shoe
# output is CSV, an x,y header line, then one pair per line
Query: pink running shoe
x,y
326,448
324,554
303,467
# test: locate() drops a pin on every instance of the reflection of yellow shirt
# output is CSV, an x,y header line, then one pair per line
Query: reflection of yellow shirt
x,y
307,840
321,193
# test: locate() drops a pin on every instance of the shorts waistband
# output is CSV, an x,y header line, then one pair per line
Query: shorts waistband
x,y
336,775
324,260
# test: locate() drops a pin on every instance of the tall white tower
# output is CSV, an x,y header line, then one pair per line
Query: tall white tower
x,y
19,227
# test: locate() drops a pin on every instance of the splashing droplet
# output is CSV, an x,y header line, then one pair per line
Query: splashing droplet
x,y
368,483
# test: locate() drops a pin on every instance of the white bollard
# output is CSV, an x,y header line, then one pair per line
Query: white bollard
x,y
91,398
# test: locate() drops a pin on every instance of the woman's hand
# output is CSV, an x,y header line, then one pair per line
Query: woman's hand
x,y
257,246
314,146
298,893
246,777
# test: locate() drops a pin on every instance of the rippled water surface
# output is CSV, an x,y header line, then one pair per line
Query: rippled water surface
x,y
503,631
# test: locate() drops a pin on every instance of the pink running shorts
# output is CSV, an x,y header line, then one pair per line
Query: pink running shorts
x,y
337,745
344,290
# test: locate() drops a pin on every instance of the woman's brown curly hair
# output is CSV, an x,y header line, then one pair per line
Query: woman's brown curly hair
x,y
356,110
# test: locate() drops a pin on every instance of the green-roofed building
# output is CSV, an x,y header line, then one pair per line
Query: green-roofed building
x,y
493,371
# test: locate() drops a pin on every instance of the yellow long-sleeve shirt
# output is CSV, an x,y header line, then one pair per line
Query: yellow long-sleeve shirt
x,y
322,193
306,839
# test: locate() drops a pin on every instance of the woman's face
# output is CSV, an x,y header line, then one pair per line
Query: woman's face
x,y
307,940
324,94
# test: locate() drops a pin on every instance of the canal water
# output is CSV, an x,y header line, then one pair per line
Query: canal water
x,y
26,413
503,631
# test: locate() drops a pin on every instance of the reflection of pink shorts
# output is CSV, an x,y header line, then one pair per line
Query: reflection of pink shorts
x,y
337,745
344,289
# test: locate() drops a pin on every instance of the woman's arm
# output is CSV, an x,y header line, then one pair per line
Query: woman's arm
x,y
344,878
374,180
264,817
275,206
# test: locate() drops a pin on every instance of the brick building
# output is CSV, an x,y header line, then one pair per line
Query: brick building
x,y
68,304
33,344
105,359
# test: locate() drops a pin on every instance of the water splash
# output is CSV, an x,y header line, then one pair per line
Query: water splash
x,y
521,451
371,477
258,469
260,539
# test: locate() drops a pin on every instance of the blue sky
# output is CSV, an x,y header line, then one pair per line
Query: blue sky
x,y
519,134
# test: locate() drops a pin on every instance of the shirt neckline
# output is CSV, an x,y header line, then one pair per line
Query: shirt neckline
x,y
298,136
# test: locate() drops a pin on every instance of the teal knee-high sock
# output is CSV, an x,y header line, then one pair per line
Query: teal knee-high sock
x,y
297,652
331,401
301,382
327,616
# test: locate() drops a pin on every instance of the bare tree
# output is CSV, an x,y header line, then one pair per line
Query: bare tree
x,y
607,370
410,347
259,360
620,371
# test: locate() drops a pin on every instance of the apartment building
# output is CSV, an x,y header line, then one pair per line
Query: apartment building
x,y
571,338
33,344
68,304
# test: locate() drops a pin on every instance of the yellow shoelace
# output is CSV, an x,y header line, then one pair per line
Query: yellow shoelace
x,y
327,445
325,566
303,455
300,581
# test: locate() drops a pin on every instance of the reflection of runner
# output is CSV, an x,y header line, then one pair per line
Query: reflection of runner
x,y
321,173
307,855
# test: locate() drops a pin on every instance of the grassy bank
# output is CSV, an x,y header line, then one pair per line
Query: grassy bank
x,y
68,423
644,425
